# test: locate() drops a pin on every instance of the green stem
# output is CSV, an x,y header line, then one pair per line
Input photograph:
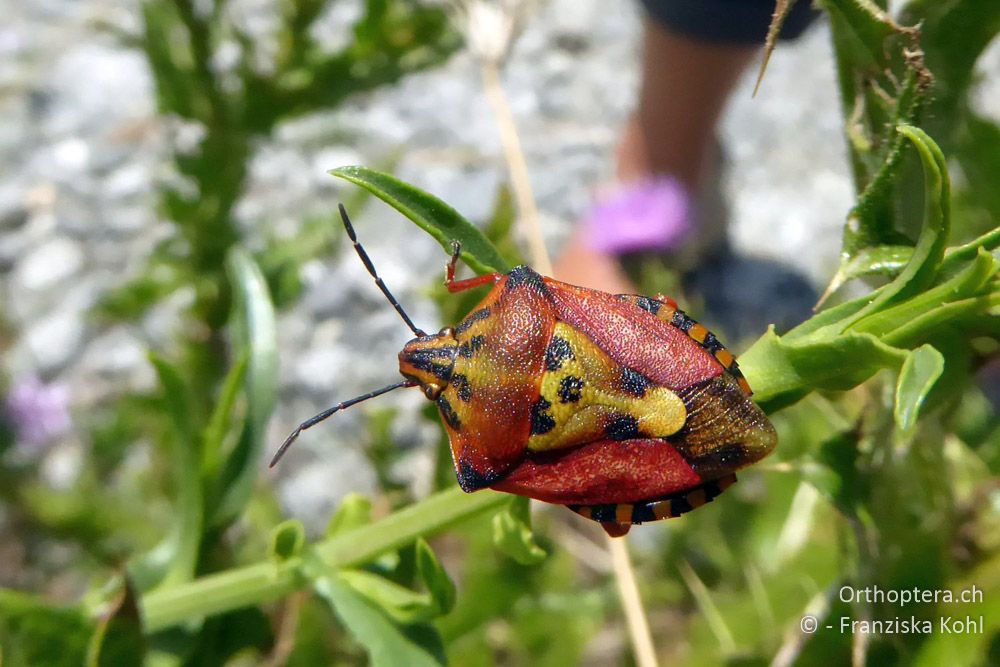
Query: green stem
x,y
263,582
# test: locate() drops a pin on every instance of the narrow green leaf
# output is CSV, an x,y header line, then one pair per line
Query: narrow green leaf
x,y
922,368
287,540
434,577
512,532
253,329
923,266
220,422
175,558
386,644
355,511
398,602
880,260
118,639
435,217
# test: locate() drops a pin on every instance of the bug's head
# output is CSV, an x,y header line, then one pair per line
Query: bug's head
x,y
430,360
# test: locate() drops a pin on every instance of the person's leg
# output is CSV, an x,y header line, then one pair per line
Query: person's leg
x,y
685,84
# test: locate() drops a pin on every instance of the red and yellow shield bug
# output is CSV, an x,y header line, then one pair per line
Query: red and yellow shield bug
x,y
619,406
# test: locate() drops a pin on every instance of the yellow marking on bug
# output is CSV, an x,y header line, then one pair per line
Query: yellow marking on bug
x,y
586,511
585,393
698,332
623,513
666,313
663,510
744,385
725,357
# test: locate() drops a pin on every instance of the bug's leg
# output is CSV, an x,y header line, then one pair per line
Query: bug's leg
x,y
462,285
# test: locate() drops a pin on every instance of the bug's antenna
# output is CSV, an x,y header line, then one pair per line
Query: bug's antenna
x,y
312,421
371,269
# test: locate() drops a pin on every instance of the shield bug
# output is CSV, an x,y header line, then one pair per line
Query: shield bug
x,y
618,406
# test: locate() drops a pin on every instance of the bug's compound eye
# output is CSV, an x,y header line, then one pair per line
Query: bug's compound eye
x,y
448,332
432,391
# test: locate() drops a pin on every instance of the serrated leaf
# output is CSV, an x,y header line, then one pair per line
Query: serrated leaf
x,y
287,540
512,532
435,217
253,330
928,254
386,643
922,368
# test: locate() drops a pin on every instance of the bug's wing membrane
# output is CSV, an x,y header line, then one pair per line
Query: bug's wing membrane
x,y
496,378
724,430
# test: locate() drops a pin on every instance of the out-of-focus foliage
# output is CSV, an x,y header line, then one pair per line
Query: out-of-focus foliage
x,y
885,478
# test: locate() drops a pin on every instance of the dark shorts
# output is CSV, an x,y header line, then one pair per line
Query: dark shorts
x,y
728,21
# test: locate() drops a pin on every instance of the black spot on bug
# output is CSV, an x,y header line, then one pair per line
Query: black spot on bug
x,y
569,389
680,505
649,305
471,479
476,316
541,421
633,382
462,388
643,512
449,414
604,513
471,346
557,352
712,343
622,427
682,321
525,275
436,360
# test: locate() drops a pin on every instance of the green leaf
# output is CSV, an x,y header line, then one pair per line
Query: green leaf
x,y
512,532
174,559
386,643
881,260
434,577
435,217
402,604
253,329
118,639
287,540
782,371
220,424
922,368
355,511
928,254
33,632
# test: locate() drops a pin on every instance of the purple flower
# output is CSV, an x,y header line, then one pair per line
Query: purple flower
x,y
652,214
38,412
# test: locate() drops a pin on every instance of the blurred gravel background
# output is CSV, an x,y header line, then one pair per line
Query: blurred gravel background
x,y
81,151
